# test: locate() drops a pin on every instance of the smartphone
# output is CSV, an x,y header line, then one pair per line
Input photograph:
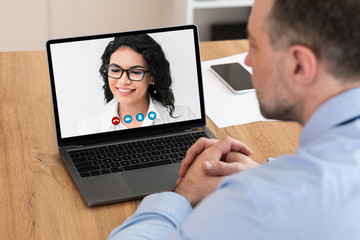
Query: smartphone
x,y
234,76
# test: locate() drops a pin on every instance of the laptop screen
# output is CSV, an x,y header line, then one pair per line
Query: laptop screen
x,y
124,82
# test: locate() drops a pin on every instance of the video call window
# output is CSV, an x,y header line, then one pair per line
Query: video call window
x,y
119,83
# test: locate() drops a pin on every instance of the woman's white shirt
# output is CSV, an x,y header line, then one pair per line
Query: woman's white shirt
x,y
102,122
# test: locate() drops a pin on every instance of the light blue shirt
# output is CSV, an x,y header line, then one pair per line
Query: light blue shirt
x,y
312,194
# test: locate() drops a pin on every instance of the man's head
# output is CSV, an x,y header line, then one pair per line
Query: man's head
x,y
302,53
328,27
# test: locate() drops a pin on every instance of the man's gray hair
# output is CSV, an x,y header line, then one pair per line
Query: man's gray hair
x,y
330,28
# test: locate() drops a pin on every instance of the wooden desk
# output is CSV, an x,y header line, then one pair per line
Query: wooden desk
x,y
38,199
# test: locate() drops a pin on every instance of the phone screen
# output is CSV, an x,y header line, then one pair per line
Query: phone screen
x,y
235,76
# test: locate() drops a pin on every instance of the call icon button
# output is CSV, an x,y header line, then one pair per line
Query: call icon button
x,y
152,115
115,120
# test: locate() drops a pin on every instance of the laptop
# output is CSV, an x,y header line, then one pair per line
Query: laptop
x,y
112,153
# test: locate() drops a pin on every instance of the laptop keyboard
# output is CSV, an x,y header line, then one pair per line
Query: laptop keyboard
x,y
131,156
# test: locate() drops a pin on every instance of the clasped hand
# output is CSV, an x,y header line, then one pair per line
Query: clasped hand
x,y
207,162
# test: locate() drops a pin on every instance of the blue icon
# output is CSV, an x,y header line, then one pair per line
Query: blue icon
x,y
128,119
140,117
152,115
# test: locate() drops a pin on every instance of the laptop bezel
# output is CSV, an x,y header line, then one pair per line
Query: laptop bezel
x,y
130,133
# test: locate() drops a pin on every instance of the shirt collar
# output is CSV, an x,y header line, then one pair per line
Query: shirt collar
x,y
332,113
153,108
110,111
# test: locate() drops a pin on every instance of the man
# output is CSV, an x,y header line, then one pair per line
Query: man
x,y
305,56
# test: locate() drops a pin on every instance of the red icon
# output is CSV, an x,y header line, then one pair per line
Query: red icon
x,y
115,120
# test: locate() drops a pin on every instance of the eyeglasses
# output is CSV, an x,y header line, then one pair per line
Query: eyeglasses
x,y
116,72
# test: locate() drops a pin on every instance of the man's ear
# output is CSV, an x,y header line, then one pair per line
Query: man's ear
x,y
303,64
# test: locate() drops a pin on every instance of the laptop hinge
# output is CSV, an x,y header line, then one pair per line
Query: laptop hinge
x,y
194,129
75,146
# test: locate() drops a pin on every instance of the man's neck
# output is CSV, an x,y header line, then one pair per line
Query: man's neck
x,y
322,93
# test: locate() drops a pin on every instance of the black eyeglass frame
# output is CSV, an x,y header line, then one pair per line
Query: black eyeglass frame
x,y
127,72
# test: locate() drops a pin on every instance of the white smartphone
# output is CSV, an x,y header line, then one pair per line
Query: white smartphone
x,y
234,76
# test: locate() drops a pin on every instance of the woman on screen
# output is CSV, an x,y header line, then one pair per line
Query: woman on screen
x,y
137,87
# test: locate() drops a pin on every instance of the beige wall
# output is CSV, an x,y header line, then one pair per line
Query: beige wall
x,y
28,24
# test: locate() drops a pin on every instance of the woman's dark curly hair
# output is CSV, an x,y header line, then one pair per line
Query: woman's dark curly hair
x,y
158,65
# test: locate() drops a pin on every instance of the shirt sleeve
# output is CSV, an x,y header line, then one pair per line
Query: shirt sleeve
x,y
156,218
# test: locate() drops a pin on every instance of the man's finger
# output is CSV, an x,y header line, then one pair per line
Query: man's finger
x,y
240,158
215,150
225,146
218,168
234,162
196,149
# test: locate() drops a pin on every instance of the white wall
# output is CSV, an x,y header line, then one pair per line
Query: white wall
x,y
28,24
23,24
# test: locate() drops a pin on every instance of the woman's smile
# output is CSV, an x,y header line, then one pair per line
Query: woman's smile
x,y
125,91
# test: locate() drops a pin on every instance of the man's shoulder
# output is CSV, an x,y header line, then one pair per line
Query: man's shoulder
x,y
302,177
